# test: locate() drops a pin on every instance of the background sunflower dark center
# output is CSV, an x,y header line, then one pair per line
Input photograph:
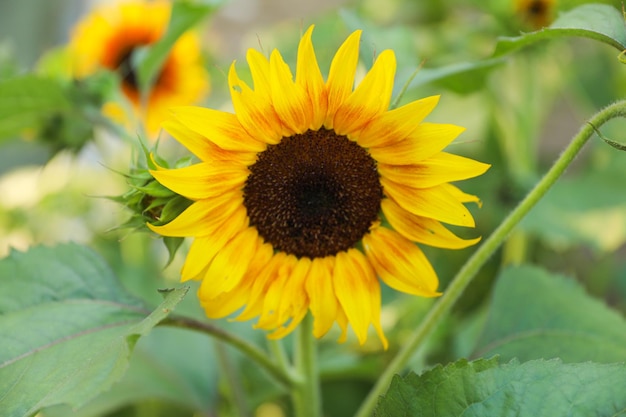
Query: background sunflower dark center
x,y
314,194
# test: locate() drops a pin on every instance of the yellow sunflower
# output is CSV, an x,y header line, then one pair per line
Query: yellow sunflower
x,y
109,36
536,13
312,191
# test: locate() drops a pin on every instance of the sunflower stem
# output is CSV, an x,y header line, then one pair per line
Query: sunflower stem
x,y
306,394
469,270
245,347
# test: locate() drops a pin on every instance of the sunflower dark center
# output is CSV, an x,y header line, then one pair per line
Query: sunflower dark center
x,y
126,69
314,194
537,7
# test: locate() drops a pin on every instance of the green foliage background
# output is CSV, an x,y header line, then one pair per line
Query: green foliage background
x,y
541,330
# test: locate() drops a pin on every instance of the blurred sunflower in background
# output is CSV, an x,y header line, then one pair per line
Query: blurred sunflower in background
x,y
110,36
535,13
314,190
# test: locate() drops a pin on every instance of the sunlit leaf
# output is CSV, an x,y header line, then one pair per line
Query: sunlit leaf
x,y
67,328
25,101
486,388
535,314
600,22
582,210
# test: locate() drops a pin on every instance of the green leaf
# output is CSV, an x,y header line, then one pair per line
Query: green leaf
x,y
601,22
536,314
462,77
25,101
169,364
67,328
149,60
486,388
563,218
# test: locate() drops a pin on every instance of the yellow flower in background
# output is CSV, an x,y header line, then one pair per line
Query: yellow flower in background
x,y
536,13
313,191
108,36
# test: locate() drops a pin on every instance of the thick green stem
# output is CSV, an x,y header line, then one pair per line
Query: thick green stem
x,y
478,259
306,393
245,347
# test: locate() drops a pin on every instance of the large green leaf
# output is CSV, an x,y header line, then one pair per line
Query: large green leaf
x,y
67,328
565,218
485,388
173,365
535,314
185,15
26,100
600,22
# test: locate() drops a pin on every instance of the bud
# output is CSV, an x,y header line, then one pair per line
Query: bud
x,y
151,202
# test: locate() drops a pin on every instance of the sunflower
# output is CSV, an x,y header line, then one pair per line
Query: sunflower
x,y
312,192
108,37
536,13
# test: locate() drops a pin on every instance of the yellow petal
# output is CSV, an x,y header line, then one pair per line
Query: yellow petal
x,y
294,303
254,111
370,99
288,98
309,77
439,202
321,293
203,180
376,302
202,147
460,195
396,124
438,169
202,217
425,141
202,253
341,75
219,127
275,292
422,229
351,280
230,264
400,263
195,262
260,71
229,302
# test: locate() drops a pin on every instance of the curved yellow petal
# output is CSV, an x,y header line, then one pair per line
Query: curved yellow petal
x,y
294,304
397,124
208,247
439,202
341,75
351,279
288,98
260,71
460,195
229,265
370,99
438,169
201,218
309,77
254,111
321,294
425,141
400,263
422,229
275,291
219,127
202,147
203,180
195,262
226,303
